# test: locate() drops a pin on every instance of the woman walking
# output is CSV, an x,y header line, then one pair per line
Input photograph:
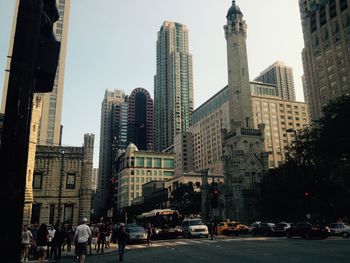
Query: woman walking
x,y
42,241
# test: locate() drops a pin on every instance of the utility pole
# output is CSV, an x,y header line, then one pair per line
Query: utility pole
x,y
33,59
15,139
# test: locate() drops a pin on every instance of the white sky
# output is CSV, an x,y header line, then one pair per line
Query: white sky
x,y
112,45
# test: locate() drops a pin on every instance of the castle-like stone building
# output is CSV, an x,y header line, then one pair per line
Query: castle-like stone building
x,y
62,183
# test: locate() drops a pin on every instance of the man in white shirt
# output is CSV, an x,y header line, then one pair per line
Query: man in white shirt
x,y
82,236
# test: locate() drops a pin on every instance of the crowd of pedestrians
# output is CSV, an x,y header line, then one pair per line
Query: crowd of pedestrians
x,y
50,242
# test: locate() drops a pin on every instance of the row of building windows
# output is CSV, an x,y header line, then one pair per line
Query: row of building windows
x,y
70,180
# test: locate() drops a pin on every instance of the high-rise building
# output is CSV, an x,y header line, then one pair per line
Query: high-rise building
x,y
326,53
140,119
113,108
50,123
173,84
282,76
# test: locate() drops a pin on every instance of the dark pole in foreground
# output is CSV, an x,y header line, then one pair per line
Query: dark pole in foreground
x,y
33,67
15,139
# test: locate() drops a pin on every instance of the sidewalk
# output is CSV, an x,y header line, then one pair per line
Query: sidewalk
x,y
65,254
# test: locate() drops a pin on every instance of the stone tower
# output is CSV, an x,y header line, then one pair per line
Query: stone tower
x,y
238,71
86,191
245,161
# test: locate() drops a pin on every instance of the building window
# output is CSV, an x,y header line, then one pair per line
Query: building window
x,y
68,214
168,163
35,214
70,182
52,214
140,162
37,180
149,162
157,163
168,173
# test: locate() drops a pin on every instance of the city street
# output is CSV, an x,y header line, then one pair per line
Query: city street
x,y
242,250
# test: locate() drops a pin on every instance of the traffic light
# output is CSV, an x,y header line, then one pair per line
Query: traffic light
x,y
215,198
48,49
306,194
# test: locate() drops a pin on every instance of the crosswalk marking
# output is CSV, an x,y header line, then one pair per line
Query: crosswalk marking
x,y
206,242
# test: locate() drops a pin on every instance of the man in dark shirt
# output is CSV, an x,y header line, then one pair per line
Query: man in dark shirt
x,y
122,238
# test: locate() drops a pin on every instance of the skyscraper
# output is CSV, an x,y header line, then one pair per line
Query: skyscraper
x,y
50,122
173,84
326,53
109,118
282,76
140,119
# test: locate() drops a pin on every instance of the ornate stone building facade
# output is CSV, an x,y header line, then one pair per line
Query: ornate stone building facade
x,y
62,183
244,159
33,138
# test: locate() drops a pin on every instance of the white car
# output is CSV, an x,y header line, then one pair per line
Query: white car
x,y
194,228
339,229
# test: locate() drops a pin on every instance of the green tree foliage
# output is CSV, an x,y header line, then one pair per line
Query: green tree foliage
x,y
185,199
316,176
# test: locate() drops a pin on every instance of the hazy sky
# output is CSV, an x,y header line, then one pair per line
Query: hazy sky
x,y
112,45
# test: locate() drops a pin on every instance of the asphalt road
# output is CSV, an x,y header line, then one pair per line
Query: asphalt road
x,y
242,250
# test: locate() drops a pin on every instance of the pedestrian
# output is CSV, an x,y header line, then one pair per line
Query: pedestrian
x,y
26,240
42,241
57,242
49,244
33,247
122,237
81,237
95,236
102,238
211,230
108,237
69,237
149,234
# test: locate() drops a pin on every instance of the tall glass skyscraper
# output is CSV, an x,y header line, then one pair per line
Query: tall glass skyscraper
x,y
173,84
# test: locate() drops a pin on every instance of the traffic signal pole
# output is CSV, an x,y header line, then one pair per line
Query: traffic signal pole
x,y
15,138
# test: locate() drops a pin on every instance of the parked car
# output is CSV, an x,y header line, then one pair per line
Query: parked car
x,y
339,229
265,229
136,233
281,228
307,231
235,228
253,225
221,228
194,228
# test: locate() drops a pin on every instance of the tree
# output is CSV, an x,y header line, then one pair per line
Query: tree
x,y
185,199
319,165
